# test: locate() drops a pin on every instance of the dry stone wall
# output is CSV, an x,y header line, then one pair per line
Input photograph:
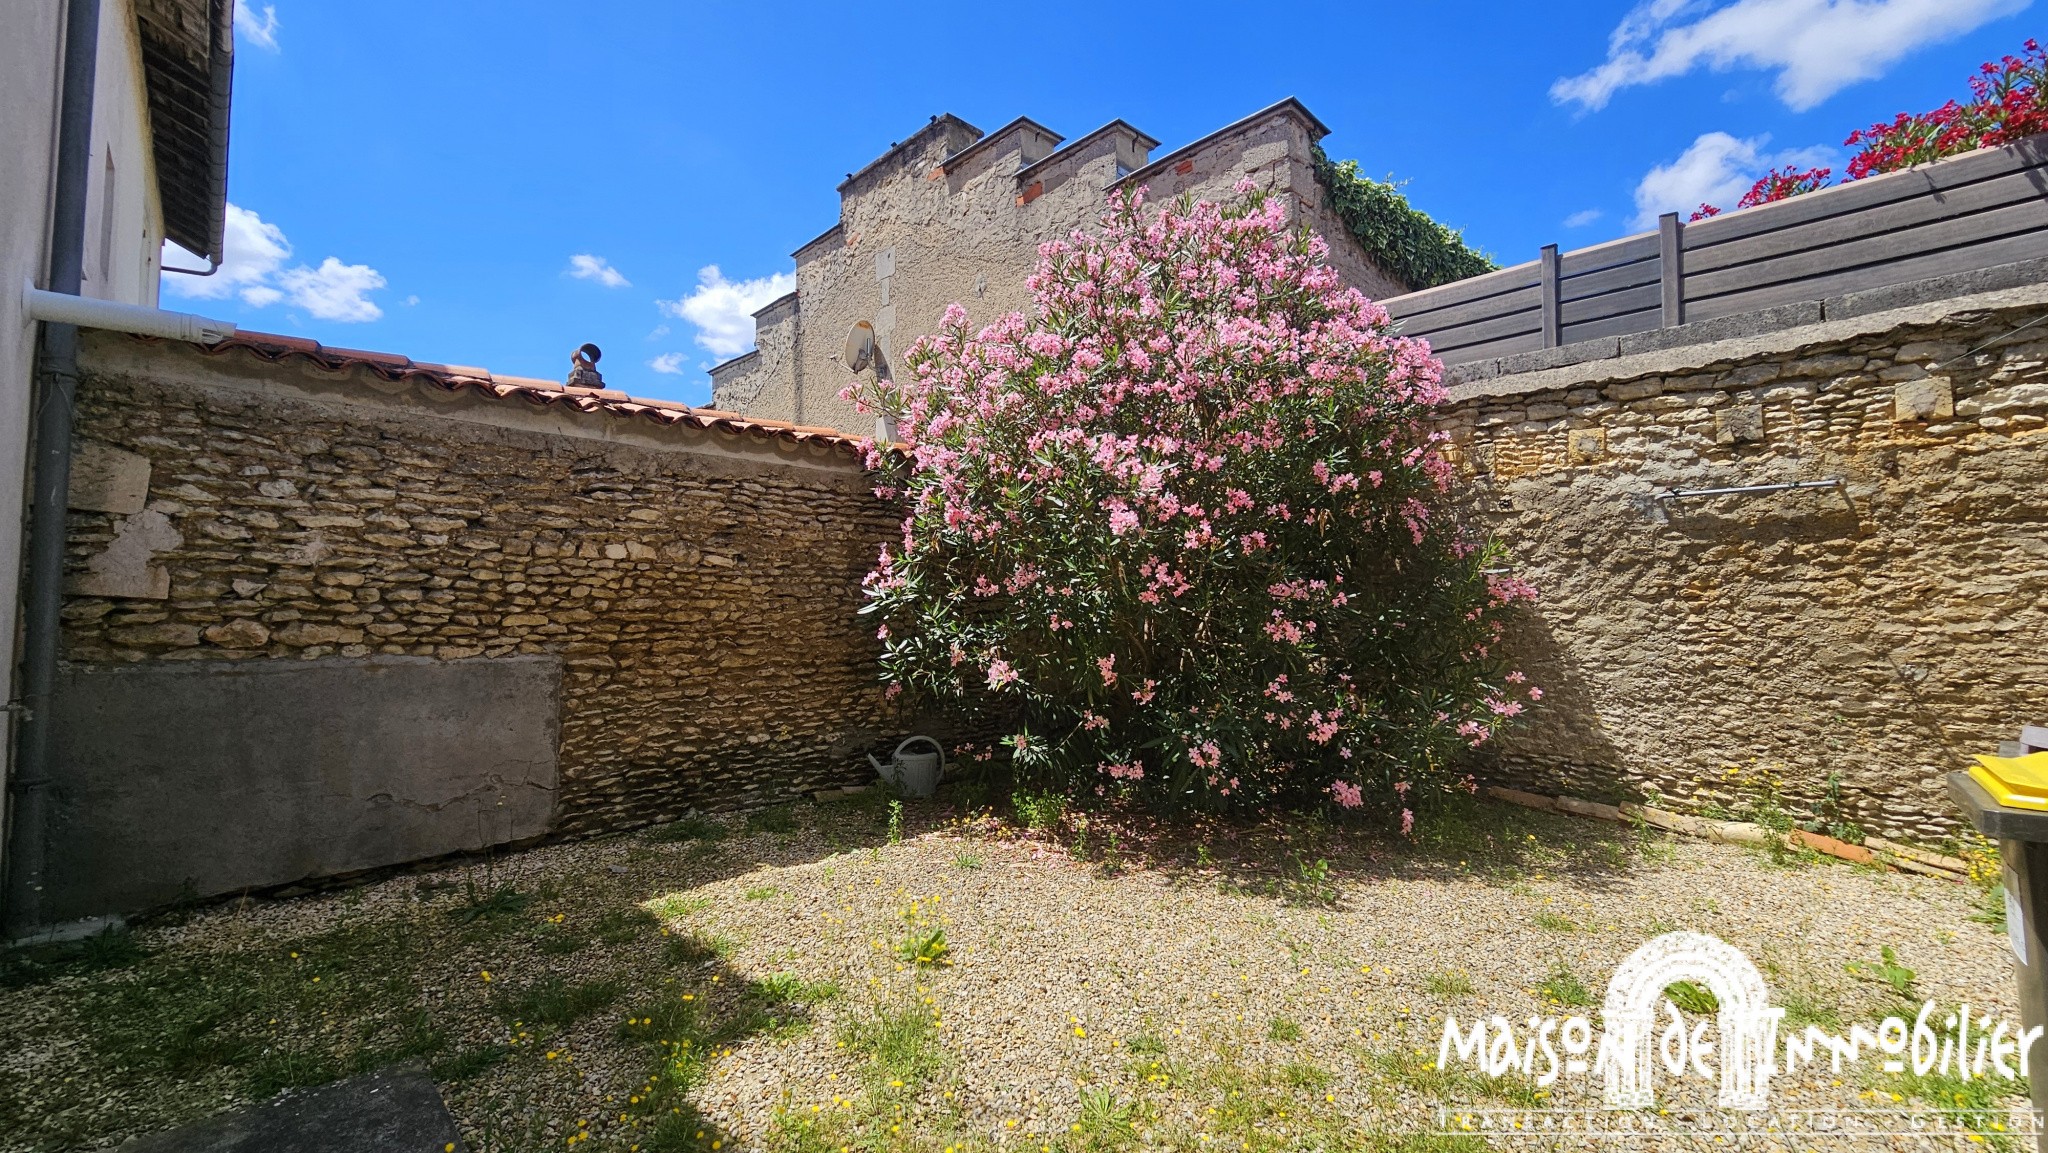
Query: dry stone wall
x,y
699,597
1706,649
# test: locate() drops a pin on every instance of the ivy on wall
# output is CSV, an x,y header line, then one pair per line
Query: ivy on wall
x,y
1406,243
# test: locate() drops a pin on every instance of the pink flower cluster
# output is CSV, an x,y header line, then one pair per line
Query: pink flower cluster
x,y
1189,508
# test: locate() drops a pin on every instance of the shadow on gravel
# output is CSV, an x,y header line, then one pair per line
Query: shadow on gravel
x,y
485,980
1301,856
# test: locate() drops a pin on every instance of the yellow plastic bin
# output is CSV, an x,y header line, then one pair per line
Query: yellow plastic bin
x,y
2006,798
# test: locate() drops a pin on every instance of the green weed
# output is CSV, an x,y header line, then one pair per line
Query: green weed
x,y
777,819
1692,998
1563,987
551,1001
1458,984
693,828
925,947
1885,970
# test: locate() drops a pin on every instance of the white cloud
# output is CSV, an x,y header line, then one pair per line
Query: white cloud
x,y
1717,169
334,291
584,266
669,362
252,268
723,310
260,30
1582,219
254,250
1817,47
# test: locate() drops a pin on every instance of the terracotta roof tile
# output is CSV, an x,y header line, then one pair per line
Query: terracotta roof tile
x,y
459,377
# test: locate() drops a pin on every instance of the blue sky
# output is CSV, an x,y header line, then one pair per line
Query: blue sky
x,y
424,177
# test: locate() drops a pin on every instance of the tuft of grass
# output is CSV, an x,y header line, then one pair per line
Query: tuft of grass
x,y
468,1063
498,904
1302,1075
619,926
1692,998
776,819
792,989
898,1047
764,893
113,947
690,949
1458,984
1105,1123
559,940
1312,885
1977,1105
1802,1009
1144,1045
967,861
1563,987
1991,907
693,828
554,1002
1282,1029
1551,922
676,906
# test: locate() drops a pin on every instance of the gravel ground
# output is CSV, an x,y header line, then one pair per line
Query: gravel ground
x,y
1185,978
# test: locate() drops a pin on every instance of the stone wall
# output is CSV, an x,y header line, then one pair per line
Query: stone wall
x,y
1885,630
698,587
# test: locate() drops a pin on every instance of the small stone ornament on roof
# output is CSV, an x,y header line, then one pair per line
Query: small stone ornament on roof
x,y
583,367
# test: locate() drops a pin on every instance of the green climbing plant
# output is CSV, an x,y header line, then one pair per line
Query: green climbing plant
x,y
1405,242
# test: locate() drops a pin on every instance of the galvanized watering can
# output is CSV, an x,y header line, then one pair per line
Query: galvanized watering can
x,y
913,774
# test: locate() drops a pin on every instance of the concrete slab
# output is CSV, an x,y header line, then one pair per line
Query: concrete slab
x,y
395,1110
211,777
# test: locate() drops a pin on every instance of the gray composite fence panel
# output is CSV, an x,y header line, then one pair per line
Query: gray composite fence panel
x,y
1969,212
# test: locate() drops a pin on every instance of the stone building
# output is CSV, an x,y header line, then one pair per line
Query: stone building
x,y
952,215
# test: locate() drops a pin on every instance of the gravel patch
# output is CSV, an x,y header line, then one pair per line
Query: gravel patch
x,y
1157,972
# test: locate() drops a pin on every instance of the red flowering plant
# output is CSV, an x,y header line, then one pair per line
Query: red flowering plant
x,y
1776,185
2006,104
1184,528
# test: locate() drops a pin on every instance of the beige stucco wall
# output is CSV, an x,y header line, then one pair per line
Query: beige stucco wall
x,y
31,53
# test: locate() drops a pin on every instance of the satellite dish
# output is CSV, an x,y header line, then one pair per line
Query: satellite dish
x,y
860,346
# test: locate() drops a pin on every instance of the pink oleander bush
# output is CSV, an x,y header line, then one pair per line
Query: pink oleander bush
x,y
1184,529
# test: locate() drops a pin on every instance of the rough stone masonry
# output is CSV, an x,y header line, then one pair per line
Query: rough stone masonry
x,y
1710,649
698,588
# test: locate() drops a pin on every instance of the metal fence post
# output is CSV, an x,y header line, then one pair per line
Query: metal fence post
x,y
1547,276
1670,268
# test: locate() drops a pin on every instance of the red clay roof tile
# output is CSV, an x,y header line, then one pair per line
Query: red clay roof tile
x,y
456,378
